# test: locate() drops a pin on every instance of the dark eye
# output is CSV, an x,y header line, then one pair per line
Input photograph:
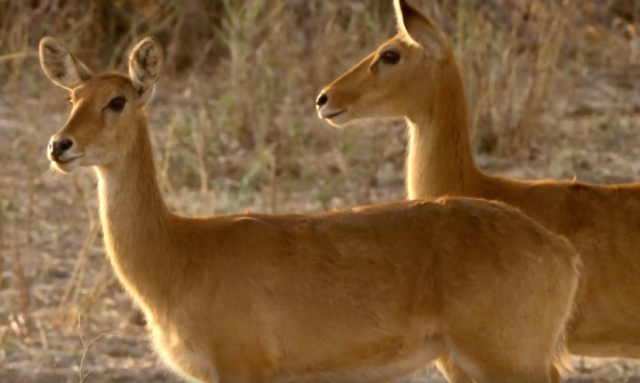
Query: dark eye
x,y
117,104
390,57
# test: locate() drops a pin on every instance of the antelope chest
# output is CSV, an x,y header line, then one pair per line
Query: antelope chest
x,y
382,373
178,354
405,363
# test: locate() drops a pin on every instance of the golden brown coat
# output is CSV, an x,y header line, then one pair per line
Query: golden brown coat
x,y
362,295
421,81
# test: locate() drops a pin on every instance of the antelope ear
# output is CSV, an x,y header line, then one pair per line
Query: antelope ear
x,y
419,27
145,64
62,68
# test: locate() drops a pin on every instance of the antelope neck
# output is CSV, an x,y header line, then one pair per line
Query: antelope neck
x,y
440,161
136,221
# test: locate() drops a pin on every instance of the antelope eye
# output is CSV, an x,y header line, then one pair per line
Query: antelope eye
x,y
390,57
117,104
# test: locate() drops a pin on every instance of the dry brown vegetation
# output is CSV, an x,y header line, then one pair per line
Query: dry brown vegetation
x,y
553,88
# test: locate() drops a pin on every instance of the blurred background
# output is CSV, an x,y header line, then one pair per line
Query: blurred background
x,y
552,86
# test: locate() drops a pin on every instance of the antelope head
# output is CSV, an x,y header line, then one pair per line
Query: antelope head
x,y
391,80
105,106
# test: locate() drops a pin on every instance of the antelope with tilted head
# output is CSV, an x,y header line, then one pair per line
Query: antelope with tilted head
x,y
415,75
363,295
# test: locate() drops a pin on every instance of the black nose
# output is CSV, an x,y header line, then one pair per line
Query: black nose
x,y
57,148
322,100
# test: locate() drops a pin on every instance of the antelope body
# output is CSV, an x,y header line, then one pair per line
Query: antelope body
x,y
362,295
415,75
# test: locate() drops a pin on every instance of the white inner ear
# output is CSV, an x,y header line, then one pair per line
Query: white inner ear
x,y
145,65
146,96
60,67
71,75
427,40
419,30
136,74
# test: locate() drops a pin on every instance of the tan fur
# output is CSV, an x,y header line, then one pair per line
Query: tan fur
x,y
602,222
362,295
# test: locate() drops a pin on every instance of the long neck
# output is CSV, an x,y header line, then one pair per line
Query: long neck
x,y
440,161
136,222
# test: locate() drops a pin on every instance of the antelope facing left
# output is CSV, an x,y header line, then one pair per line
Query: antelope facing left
x,y
368,294
415,75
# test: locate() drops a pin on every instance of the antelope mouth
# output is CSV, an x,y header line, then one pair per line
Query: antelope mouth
x,y
68,160
331,115
67,165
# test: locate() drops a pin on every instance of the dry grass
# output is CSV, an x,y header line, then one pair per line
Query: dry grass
x,y
552,86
